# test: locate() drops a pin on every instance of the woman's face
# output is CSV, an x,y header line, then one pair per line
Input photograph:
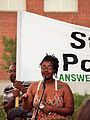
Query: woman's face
x,y
47,70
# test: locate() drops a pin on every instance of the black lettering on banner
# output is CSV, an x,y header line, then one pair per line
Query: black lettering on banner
x,y
83,65
82,42
89,42
89,38
67,63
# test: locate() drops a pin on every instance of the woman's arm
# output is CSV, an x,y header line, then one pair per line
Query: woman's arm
x,y
27,99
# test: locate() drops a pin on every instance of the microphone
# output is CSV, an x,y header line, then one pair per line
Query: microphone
x,y
44,82
38,106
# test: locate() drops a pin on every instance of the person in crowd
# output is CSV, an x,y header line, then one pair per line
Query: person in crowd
x,y
84,111
16,88
50,99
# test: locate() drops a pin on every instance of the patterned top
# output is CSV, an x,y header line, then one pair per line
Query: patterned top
x,y
56,100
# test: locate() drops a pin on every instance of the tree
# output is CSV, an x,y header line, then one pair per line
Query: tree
x,y
9,54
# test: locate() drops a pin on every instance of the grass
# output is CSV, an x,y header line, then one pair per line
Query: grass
x,y
2,112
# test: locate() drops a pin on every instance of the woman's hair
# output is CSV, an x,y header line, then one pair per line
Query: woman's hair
x,y
84,111
53,60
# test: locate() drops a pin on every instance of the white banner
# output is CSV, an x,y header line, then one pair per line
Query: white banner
x,y
38,35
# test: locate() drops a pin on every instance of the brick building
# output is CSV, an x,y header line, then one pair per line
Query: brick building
x,y
71,11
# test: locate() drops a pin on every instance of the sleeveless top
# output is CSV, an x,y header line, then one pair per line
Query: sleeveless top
x,y
56,101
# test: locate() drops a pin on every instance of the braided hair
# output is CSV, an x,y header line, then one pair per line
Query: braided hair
x,y
53,60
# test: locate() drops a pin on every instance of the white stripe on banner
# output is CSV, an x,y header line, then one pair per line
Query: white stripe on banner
x,y
38,35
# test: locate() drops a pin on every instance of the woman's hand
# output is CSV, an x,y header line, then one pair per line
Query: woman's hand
x,y
45,107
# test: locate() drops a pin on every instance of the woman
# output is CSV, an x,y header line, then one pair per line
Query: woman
x,y
57,101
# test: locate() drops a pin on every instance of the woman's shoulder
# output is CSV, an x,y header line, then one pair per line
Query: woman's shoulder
x,y
64,86
33,86
62,83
